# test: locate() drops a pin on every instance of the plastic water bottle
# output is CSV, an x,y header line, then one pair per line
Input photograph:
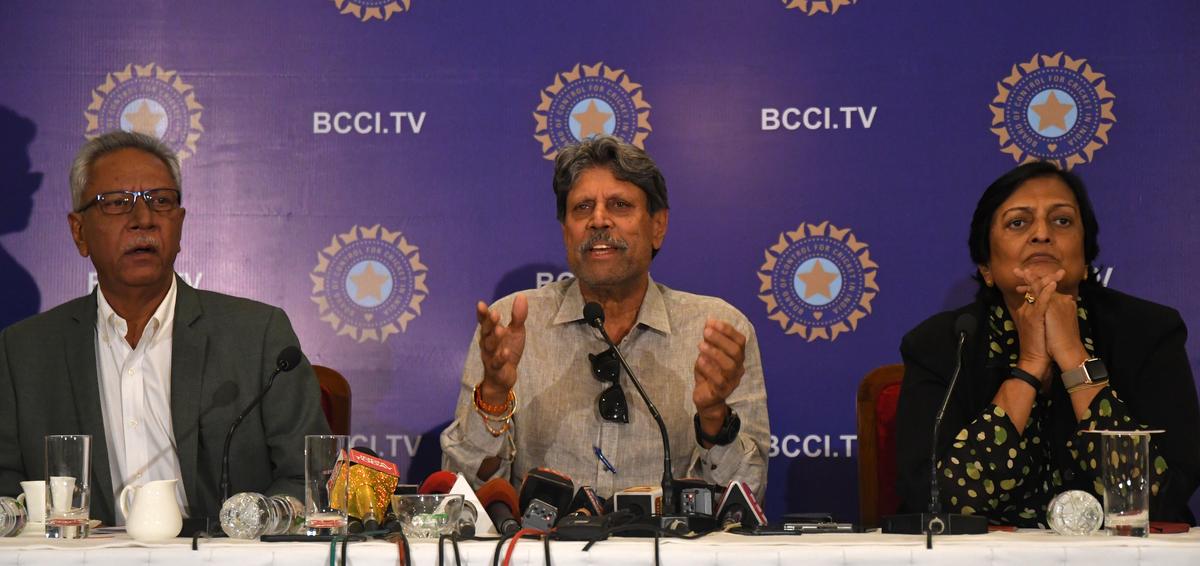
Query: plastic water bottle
x,y
1074,513
12,517
250,515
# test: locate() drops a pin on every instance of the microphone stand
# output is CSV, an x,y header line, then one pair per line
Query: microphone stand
x,y
935,525
287,360
934,522
233,427
668,501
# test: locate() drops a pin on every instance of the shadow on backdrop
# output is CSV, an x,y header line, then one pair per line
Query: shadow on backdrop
x,y
428,458
17,185
961,292
523,278
820,485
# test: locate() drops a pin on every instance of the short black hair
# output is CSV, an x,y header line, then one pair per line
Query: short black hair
x,y
627,162
980,241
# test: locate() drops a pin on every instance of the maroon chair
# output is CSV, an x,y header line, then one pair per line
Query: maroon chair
x,y
878,396
335,399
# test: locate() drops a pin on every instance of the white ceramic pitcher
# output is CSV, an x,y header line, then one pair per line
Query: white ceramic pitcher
x,y
155,516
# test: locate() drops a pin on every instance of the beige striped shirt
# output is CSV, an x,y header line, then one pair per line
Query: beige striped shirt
x,y
557,423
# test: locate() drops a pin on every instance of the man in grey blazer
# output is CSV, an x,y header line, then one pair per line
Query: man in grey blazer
x,y
154,370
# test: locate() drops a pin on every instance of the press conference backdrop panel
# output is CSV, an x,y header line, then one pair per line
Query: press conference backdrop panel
x,y
376,166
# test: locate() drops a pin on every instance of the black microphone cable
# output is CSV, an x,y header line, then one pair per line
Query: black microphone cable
x,y
441,548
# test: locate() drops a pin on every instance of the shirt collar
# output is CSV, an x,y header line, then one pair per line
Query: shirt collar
x,y
653,312
111,324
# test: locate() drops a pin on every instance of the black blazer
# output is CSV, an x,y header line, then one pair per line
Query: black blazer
x,y
224,349
1142,345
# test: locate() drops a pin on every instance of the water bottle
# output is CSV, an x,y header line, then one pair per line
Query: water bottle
x,y
1074,513
12,517
250,515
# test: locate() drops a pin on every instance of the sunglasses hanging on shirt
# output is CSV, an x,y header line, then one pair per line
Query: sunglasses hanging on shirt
x,y
607,368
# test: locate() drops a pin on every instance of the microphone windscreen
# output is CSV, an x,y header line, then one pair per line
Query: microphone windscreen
x,y
593,313
498,490
550,486
376,475
288,359
964,324
438,482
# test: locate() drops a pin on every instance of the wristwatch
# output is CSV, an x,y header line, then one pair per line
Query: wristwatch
x,y
728,433
1090,372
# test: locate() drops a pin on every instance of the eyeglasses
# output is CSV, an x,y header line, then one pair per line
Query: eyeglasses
x,y
122,202
606,367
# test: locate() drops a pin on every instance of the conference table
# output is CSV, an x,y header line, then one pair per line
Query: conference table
x,y
1021,548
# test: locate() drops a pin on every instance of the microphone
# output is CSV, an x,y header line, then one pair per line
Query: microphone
x,y
587,521
593,313
371,481
499,499
586,503
739,508
934,522
451,483
287,360
545,496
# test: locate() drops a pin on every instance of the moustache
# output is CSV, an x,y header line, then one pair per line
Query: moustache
x,y
141,242
604,238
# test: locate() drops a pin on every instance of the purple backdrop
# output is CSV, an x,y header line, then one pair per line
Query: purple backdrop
x,y
884,120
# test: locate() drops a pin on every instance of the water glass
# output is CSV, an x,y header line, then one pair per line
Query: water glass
x,y
68,463
325,497
428,516
1125,475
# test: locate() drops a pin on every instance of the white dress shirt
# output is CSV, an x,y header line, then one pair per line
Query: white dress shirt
x,y
135,398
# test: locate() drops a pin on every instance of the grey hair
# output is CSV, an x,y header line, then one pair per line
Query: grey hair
x,y
109,142
627,162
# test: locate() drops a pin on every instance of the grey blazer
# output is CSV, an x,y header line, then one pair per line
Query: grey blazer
x,y
223,351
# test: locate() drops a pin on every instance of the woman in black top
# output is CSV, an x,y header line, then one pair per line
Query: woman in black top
x,y
1053,354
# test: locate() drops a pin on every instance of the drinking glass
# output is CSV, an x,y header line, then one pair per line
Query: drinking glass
x,y
68,497
325,497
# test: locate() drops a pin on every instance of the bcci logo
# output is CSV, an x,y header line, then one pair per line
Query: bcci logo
x,y
367,10
1053,108
149,100
586,101
812,7
369,283
818,281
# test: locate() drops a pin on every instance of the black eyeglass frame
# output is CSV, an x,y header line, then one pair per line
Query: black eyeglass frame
x,y
611,403
148,196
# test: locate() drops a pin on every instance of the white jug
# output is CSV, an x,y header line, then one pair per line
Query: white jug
x,y
155,516
34,500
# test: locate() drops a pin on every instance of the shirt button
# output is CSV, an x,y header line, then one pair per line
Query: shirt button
x,y
132,423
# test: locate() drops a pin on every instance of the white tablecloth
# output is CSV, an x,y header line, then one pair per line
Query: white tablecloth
x,y
1029,548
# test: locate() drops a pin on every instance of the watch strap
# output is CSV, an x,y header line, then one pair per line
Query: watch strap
x,y
730,428
1018,373
1091,372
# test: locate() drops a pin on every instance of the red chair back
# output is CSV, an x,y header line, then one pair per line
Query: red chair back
x,y
335,399
878,396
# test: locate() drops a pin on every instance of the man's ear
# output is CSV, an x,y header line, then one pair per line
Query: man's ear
x,y
659,220
75,221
